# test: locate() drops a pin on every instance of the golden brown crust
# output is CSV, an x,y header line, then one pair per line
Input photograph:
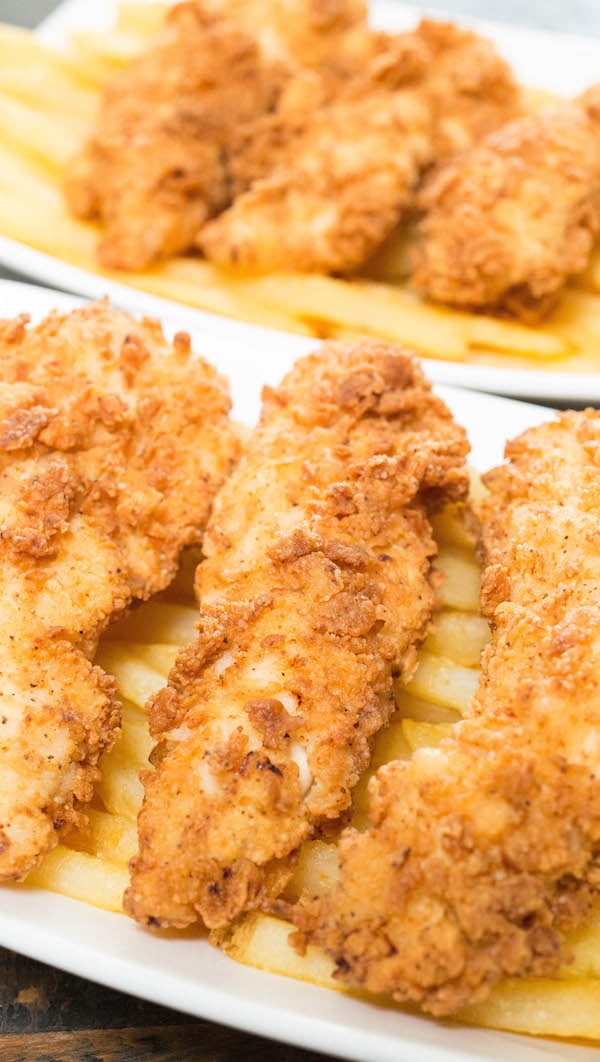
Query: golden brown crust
x,y
154,170
317,127
332,191
300,34
509,221
323,180
315,591
112,445
484,850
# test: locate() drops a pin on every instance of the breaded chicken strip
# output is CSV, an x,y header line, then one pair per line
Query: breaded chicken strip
x,y
155,168
331,173
315,591
465,90
112,445
302,33
341,189
507,223
483,850
469,87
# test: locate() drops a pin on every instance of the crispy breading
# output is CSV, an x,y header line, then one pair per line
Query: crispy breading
x,y
155,167
330,174
508,222
341,189
469,87
301,33
112,445
482,851
315,592
189,125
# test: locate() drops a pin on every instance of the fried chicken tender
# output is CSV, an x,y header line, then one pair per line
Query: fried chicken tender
x,y
113,443
508,222
155,168
484,850
302,33
342,189
323,180
470,89
315,591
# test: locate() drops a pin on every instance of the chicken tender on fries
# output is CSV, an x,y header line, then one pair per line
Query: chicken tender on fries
x,y
316,590
154,170
507,223
484,850
331,184
113,443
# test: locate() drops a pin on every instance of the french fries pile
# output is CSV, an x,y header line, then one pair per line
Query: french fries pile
x,y
91,864
48,99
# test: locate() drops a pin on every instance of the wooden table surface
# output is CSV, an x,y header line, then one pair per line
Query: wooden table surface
x,y
49,1016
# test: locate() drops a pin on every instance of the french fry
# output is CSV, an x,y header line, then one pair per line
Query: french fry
x,y
21,47
90,69
209,290
48,139
18,171
390,744
157,621
140,17
369,308
111,837
450,526
134,742
411,707
477,488
262,941
99,882
316,871
423,735
114,48
443,682
74,241
537,1006
492,333
157,656
119,787
55,233
578,319
460,636
461,579
137,681
541,1007
48,88
584,943
360,800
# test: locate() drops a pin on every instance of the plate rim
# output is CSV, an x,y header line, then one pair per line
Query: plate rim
x,y
45,270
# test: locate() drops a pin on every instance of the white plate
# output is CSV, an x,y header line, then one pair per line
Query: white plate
x,y
560,62
189,974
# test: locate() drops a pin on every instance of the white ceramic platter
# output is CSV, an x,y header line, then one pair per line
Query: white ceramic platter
x,y
560,62
189,974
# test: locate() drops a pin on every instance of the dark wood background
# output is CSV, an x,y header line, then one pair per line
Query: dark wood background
x,y
49,1016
